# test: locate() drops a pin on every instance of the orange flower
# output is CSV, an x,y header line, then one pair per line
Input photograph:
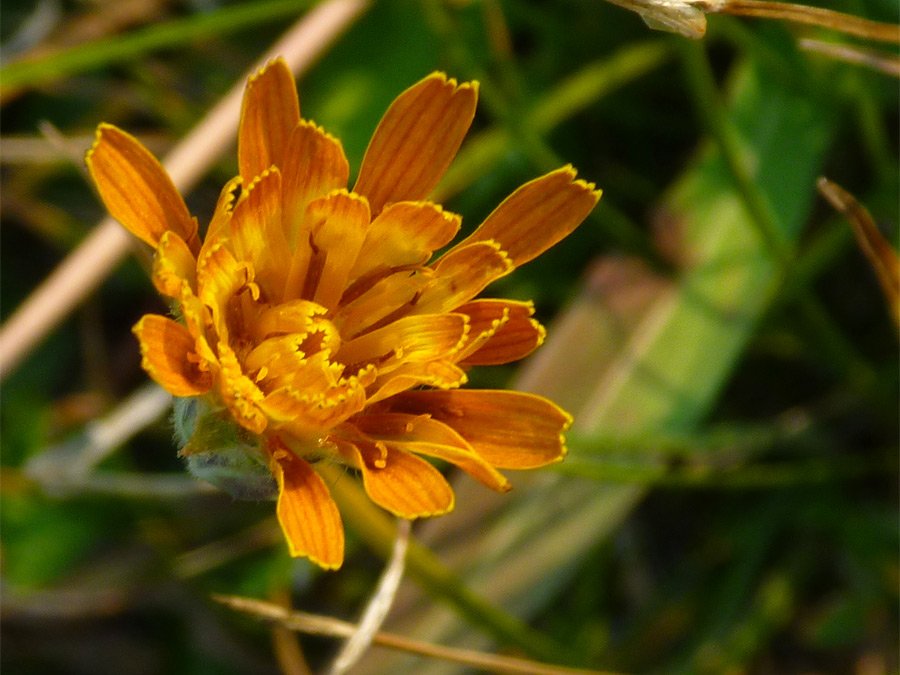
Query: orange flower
x,y
312,316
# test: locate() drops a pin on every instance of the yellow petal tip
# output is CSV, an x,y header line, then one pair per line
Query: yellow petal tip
x,y
277,62
98,136
328,566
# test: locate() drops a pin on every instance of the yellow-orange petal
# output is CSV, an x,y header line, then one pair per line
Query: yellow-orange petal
x,y
461,274
174,266
416,140
337,231
269,113
385,300
136,189
308,515
509,429
538,215
239,393
294,316
441,374
405,485
169,356
278,362
405,233
308,415
314,165
219,277
510,332
413,338
198,319
426,436
219,225
256,234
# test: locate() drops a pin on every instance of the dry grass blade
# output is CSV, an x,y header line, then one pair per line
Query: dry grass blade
x,y
673,16
30,150
879,252
687,17
217,553
379,605
813,16
314,624
68,465
108,243
879,61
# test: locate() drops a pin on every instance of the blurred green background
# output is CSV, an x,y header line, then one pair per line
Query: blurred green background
x,y
729,504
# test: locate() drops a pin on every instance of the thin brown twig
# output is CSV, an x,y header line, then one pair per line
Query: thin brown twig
x,y
687,17
103,436
811,16
883,63
63,146
881,255
108,243
31,149
209,556
314,624
379,606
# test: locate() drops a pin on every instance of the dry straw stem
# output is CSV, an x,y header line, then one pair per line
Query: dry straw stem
x,y
68,467
811,16
879,252
686,17
379,606
314,624
879,61
109,242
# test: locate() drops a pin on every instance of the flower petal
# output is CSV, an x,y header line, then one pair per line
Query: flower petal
x,y
440,374
509,429
384,301
239,393
174,266
337,231
199,321
412,338
169,356
269,113
137,190
461,274
508,330
425,436
220,276
279,362
314,165
307,513
405,233
257,236
221,219
401,483
537,215
416,140
294,316
308,415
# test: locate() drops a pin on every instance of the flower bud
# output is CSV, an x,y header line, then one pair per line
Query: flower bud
x,y
221,452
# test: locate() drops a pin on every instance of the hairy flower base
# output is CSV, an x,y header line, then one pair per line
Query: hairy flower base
x,y
313,323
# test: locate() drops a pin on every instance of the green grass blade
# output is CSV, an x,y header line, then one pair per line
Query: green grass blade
x,y
102,53
667,375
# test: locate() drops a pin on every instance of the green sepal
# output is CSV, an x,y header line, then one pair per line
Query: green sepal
x,y
221,452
